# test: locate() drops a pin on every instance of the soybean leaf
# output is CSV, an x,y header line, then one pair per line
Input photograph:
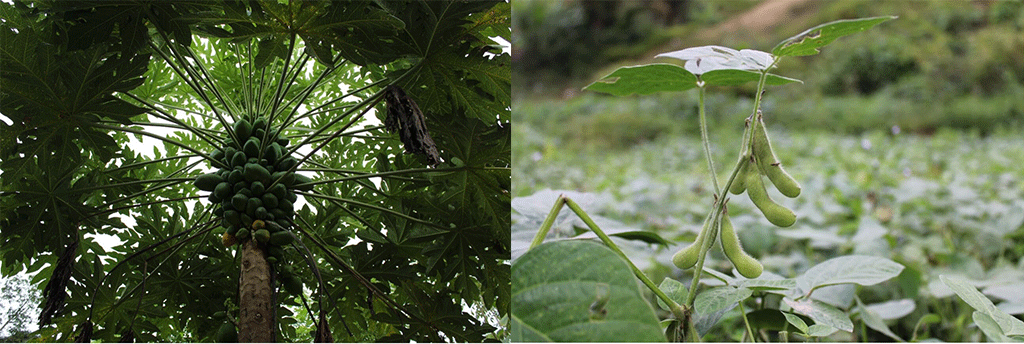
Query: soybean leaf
x,y
579,291
645,236
767,284
661,77
863,270
1008,324
875,322
808,42
712,304
700,60
647,79
990,328
729,77
820,330
674,290
822,313
839,295
891,310
769,319
796,321
716,299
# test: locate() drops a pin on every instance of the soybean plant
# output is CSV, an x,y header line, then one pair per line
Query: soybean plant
x,y
721,66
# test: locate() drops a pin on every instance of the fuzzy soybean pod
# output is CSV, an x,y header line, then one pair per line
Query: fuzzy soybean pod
x,y
774,212
769,163
687,257
744,263
740,183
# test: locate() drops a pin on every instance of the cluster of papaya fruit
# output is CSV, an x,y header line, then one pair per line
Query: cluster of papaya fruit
x,y
254,192
756,160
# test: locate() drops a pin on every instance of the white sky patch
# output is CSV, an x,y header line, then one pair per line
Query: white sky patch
x,y
506,47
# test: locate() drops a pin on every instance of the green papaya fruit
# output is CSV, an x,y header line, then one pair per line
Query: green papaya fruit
x,y
282,238
208,182
243,130
262,235
273,152
255,172
259,123
257,188
235,176
302,183
223,190
227,332
251,205
238,159
278,191
269,200
252,148
239,201
242,234
286,164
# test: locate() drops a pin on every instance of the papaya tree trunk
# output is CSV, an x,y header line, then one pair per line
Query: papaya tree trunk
x,y
256,309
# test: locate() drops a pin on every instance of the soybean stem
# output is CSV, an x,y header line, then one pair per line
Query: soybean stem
x,y
677,310
707,142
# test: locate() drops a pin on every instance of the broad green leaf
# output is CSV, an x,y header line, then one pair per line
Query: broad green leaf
x,y
769,319
1009,325
820,330
729,77
863,270
579,291
794,320
674,290
710,305
891,310
716,299
661,77
704,59
644,236
874,321
808,42
768,284
822,313
991,329
647,79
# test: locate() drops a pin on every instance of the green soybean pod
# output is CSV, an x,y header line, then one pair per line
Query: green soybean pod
x,y
739,184
687,257
775,213
770,164
744,263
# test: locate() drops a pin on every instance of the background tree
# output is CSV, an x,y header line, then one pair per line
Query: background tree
x,y
17,309
391,246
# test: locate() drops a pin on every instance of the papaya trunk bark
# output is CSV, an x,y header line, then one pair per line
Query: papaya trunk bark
x,y
256,318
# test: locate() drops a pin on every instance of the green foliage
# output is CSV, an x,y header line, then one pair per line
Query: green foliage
x,y
598,299
939,204
820,301
386,247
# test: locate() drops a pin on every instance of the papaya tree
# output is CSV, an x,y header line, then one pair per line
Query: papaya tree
x,y
266,170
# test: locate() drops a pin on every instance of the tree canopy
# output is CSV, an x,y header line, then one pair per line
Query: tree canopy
x,y
392,245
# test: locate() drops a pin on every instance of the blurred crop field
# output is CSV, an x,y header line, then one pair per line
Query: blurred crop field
x,y
908,140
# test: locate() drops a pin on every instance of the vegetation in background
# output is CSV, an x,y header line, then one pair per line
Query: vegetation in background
x,y
964,71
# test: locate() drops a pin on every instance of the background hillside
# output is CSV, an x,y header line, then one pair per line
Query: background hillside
x,y
941,64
